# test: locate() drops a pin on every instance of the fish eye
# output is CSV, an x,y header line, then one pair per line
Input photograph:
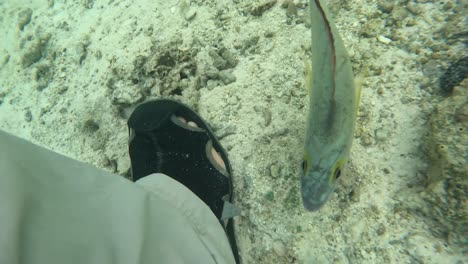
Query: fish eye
x,y
304,165
337,173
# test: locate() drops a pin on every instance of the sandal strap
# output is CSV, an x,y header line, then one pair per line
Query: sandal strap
x,y
166,146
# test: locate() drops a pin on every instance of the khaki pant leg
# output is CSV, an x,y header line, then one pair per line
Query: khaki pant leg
x,y
57,210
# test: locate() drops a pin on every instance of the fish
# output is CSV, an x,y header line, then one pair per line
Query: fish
x,y
334,101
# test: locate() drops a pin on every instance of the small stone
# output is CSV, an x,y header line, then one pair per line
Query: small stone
x,y
250,43
226,131
386,5
211,84
227,76
87,3
230,58
355,195
218,61
381,229
461,114
380,90
259,9
4,58
270,196
125,94
28,116
447,6
42,74
356,230
366,140
279,248
212,73
279,132
275,170
32,55
291,11
98,54
399,13
123,165
265,112
384,40
382,134
91,126
190,13
269,34
414,8
454,75
24,17
81,50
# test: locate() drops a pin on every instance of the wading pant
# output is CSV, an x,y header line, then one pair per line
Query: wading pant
x,y
57,210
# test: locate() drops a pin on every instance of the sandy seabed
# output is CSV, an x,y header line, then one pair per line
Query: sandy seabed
x,y
71,71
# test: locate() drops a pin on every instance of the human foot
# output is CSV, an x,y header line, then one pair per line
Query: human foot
x,y
184,149
217,158
187,151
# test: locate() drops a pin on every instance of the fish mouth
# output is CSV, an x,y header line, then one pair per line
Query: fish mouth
x,y
315,194
311,206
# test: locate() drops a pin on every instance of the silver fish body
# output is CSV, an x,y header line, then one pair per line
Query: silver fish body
x,y
332,113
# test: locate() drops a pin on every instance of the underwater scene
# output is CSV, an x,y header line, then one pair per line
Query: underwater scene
x,y
286,86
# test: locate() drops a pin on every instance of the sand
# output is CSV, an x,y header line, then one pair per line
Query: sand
x,y
71,71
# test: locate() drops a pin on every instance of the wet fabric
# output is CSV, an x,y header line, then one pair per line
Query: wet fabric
x,y
57,210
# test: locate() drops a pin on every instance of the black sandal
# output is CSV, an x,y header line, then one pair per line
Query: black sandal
x,y
161,143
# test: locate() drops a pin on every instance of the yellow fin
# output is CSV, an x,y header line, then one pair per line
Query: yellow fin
x,y
358,82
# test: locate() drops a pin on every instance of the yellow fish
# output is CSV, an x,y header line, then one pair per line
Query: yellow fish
x,y
334,101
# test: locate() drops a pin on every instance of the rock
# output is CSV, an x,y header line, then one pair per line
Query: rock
x,y
87,3
386,5
218,61
81,52
28,116
399,13
454,75
447,148
90,126
190,14
42,74
225,131
291,10
382,134
384,40
355,195
227,76
230,58
24,17
381,229
266,114
33,54
356,230
259,9
279,248
123,165
212,73
125,94
275,171
456,27
35,50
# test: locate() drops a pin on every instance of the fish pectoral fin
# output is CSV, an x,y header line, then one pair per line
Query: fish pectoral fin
x,y
358,82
